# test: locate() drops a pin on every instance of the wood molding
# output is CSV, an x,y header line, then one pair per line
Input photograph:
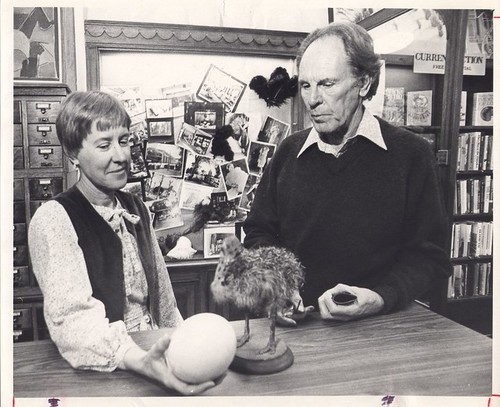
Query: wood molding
x,y
133,36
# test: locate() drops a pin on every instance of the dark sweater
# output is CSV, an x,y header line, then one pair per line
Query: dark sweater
x,y
370,218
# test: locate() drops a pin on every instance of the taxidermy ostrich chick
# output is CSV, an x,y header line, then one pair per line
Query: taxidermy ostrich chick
x,y
256,280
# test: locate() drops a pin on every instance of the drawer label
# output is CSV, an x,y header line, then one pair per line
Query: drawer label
x,y
43,105
45,151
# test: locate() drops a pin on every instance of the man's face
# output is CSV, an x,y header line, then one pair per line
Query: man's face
x,y
329,89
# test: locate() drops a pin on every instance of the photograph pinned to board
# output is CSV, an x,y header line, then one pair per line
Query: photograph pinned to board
x,y
161,130
193,194
158,108
239,122
219,86
273,131
213,238
138,130
194,140
249,192
36,44
162,194
259,155
235,176
178,94
203,115
166,159
202,170
138,167
130,96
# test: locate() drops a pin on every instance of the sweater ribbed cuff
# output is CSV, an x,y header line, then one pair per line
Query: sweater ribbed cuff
x,y
389,295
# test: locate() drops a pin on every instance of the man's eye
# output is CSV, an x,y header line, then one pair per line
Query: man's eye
x,y
304,85
328,84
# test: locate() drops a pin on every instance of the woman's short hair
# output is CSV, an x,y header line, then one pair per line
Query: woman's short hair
x,y
78,113
358,46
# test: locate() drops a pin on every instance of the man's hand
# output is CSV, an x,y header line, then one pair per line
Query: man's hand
x,y
367,303
296,312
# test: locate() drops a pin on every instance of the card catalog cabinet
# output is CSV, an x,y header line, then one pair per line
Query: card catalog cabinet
x,y
40,173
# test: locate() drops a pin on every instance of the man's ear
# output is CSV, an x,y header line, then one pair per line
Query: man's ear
x,y
365,82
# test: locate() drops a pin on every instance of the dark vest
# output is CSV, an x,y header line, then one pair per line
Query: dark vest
x,y
102,248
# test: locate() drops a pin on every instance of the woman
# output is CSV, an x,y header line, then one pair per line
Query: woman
x,y
95,254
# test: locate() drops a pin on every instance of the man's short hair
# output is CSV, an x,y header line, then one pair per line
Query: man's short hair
x,y
80,110
358,46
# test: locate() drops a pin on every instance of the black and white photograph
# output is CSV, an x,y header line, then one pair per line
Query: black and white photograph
x,y
331,255
258,156
273,131
161,129
204,116
213,237
164,158
219,86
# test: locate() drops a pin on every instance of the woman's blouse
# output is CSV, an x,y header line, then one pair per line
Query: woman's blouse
x,y
76,320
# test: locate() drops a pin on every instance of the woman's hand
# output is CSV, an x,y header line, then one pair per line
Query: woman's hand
x,y
367,303
154,365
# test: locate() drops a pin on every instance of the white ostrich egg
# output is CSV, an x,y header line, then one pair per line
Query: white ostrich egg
x,y
201,348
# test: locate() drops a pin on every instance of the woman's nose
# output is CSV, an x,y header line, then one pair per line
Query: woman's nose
x,y
121,153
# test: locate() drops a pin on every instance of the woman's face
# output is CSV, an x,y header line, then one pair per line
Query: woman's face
x,y
104,159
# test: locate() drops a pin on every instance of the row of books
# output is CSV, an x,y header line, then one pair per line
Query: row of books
x,y
414,108
418,107
474,195
472,239
474,152
470,280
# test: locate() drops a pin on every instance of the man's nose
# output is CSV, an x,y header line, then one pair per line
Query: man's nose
x,y
314,98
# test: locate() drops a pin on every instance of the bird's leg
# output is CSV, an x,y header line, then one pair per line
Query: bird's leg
x,y
271,344
246,334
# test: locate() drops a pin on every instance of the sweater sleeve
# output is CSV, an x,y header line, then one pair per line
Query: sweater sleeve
x,y
424,260
76,320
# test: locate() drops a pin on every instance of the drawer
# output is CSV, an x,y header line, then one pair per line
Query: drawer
x,y
42,111
18,135
17,112
34,205
22,318
21,277
18,189
45,188
45,157
20,236
21,255
19,212
42,134
18,158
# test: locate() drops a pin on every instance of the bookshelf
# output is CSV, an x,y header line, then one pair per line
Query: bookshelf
x,y
463,154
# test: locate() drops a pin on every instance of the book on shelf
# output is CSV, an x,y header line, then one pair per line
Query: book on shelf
x,y
482,109
419,108
470,280
394,106
471,239
463,107
474,152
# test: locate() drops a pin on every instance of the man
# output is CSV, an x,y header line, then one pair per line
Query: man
x,y
355,198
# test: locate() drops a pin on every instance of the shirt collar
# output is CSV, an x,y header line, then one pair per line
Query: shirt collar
x,y
369,127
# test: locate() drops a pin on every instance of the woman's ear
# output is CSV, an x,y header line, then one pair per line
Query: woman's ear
x,y
365,82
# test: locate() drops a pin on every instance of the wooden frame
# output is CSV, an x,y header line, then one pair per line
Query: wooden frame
x,y
204,116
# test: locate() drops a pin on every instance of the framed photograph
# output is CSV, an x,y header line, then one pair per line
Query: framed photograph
x,y
273,131
203,115
161,129
194,140
158,108
163,200
138,132
178,94
259,155
219,86
36,44
167,159
235,176
213,238
138,168
249,193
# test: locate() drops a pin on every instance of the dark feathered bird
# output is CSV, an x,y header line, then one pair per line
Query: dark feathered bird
x,y
277,89
256,280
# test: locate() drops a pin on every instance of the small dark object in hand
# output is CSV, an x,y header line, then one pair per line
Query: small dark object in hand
x,y
344,298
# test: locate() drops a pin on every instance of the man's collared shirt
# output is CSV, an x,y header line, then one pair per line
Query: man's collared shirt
x,y
369,128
